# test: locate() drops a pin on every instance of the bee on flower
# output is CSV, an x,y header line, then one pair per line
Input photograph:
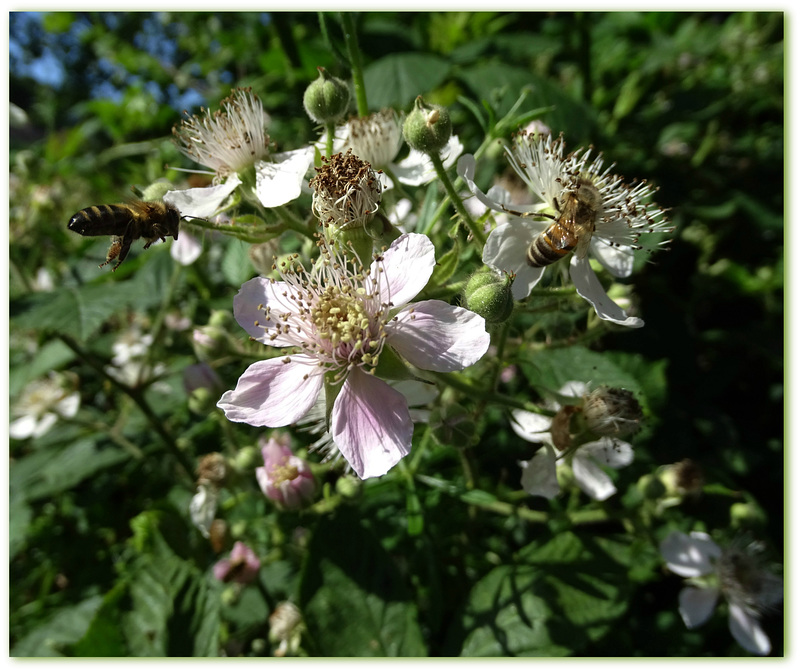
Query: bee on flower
x,y
580,207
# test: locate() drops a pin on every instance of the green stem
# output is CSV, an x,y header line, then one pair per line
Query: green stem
x,y
458,204
468,388
354,55
330,130
138,398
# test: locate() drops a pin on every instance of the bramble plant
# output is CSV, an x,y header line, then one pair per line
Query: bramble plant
x,y
376,398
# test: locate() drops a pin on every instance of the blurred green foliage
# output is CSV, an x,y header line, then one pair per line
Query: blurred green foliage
x,y
103,560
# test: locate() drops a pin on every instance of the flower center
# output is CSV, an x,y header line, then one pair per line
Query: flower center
x,y
283,473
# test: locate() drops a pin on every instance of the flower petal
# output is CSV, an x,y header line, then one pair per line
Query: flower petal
x,y
434,335
204,201
466,171
747,631
689,556
407,266
619,262
274,393
589,287
506,250
268,294
609,452
591,478
279,180
539,474
696,605
186,249
417,168
531,426
370,424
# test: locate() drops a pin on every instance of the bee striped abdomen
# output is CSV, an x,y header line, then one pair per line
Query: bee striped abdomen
x,y
100,220
548,248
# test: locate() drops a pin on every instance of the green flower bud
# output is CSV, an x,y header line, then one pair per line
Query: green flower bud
x,y
453,425
202,401
157,190
489,294
651,487
326,99
427,128
247,459
349,487
747,516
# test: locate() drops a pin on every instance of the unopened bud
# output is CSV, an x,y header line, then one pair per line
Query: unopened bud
x,y
682,478
427,128
242,566
326,98
612,412
349,487
488,293
285,478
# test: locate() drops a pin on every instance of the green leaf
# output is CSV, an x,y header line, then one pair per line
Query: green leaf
x,y
52,638
104,636
236,266
445,267
353,598
396,80
51,471
564,592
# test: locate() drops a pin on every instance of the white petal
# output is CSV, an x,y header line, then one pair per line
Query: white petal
x,y
589,287
202,202
434,335
417,168
466,170
696,605
264,292
506,250
689,556
539,474
279,180
531,426
591,478
619,262
22,428
417,393
370,424
609,452
68,406
407,267
274,393
186,249
747,631
573,389
203,507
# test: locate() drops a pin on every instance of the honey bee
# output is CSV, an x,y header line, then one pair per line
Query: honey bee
x,y
126,222
571,229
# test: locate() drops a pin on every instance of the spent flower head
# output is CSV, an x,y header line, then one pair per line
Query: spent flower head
x,y
738,572
347,192
345,325
615,219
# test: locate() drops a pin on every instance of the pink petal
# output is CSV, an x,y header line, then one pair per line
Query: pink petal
x,y
274,393
589,288
261,291
407,267
186,249
440,337
370,424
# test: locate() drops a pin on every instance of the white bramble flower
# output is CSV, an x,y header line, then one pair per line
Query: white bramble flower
x,y
623,217
340,319
377,139
539,475
736,572
40,405
232,142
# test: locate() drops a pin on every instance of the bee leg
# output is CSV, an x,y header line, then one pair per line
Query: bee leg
x,y
113,250
123,252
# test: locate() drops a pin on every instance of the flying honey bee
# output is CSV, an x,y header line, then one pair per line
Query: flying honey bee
x,y
571,229
126,222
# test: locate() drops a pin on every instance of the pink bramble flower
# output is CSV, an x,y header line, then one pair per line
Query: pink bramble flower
x,y
340,320
737,572
242,566
285,478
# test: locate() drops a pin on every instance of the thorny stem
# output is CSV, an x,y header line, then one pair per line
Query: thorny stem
x,y
354,55
137,397
477,231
